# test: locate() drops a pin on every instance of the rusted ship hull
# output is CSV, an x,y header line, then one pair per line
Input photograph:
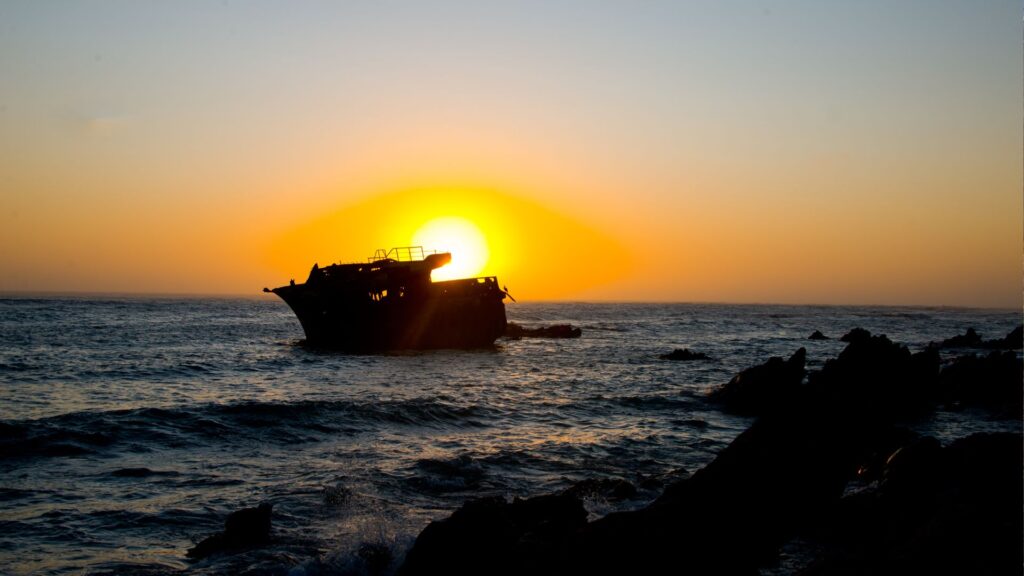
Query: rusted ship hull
x,y
456,314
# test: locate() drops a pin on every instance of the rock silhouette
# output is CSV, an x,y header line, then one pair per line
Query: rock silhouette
x,y
952,510
243,529
855,335
817,335
992,382
969,339
493,536
1012,341
763,387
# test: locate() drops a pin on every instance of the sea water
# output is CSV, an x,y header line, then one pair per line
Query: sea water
x,y
130,427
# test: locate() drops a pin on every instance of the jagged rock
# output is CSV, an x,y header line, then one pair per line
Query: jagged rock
x,y
764,387
778,477
992,382
513,330
245,528
969,339
953,510
874,377
732,515
684,354
493,536
817,335
855,335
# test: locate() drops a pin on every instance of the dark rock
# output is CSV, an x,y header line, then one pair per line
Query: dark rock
x,y
684,354
856,335
969,339
781,476
914,465
604,488
932,510
732,515
992,382
817,335
874,462
953,510
765,387
246,528
876,379
493,536
513,330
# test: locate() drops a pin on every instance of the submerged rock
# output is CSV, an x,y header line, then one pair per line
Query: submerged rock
x,y
817,335
684,354
764,387
246,528
513,330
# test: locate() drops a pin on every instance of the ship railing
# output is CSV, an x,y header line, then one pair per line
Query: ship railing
x,y
400,254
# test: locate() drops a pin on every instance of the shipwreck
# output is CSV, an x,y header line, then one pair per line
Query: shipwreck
x,y
390,303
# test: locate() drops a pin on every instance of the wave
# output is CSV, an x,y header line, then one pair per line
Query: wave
x,y
652,402
142,429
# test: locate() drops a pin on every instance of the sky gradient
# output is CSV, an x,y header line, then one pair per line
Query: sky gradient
x,y
798,152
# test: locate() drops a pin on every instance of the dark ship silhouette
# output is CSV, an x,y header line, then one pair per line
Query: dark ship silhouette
x,y
390,303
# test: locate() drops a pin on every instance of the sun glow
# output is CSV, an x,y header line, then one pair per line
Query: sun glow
x,y
459,236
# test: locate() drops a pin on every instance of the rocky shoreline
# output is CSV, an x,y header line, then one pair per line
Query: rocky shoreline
x,y
829,480
829,468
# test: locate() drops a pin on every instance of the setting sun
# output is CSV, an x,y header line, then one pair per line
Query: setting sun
x,y
459,236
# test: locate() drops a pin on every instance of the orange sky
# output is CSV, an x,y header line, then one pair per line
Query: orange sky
x,y
667,152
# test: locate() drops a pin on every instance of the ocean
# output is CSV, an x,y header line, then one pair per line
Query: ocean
x,y
131,426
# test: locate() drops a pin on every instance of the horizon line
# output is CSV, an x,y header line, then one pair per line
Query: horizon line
x,y
27,294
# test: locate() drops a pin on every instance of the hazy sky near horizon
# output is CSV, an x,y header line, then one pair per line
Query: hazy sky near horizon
x,y
805,152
